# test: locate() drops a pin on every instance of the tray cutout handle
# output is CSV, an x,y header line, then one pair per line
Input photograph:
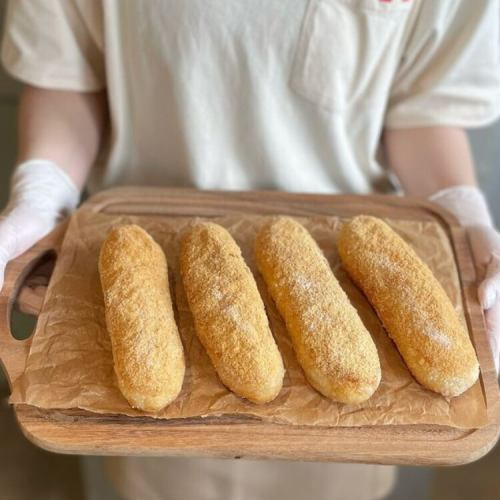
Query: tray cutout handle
x,y
13,352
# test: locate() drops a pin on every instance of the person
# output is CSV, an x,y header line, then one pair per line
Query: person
x,y
321,96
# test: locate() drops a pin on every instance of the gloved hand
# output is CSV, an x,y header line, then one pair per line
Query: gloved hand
x,y
469,206
41,195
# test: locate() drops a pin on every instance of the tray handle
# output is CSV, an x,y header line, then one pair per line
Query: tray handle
x,y
470,274
13,352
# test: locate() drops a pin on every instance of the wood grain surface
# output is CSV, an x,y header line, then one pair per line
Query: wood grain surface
x,y
76,431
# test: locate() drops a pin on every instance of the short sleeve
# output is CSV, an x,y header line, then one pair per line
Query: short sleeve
x,y
450,72
55,44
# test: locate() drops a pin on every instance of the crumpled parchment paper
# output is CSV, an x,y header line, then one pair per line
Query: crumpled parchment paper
x,y
70,363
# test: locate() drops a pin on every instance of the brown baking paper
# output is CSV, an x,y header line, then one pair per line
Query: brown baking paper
x,y
70,362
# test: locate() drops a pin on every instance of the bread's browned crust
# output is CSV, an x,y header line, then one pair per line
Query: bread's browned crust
x,y
332,345
412,305
147,350
229,316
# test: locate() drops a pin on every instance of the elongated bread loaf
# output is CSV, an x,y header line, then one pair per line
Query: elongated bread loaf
x,y
229,315
332,345
147,350
412,305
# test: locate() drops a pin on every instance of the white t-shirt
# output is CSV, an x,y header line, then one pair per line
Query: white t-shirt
x,y
234,94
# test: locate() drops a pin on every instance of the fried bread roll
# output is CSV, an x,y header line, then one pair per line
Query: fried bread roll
x,y
147,350
336,352
412,305
229,315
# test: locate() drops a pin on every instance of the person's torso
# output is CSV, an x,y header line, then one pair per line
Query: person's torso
x,y
229,94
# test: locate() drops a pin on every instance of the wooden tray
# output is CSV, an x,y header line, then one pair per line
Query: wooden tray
x,y
77,431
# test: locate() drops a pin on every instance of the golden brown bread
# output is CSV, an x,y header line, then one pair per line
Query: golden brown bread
x,y
411,303
147,350
332,345
229,315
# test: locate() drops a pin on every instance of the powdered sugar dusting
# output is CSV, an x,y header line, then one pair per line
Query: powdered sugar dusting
x,y
234,315
384,262
438,337
216,293
421,320
230,309
303,283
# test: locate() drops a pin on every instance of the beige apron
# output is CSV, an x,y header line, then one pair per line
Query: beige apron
x,y
229,479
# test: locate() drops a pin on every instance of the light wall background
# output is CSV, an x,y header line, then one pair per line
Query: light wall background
x,y
8,105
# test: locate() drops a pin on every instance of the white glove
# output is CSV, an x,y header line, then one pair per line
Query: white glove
x,y
469,206
41,195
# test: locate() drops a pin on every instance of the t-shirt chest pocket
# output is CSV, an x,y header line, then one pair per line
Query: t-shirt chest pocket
x,y
348,51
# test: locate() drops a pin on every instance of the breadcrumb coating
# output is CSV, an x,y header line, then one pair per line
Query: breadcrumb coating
x,y
147,350
229,315
412,305
336,352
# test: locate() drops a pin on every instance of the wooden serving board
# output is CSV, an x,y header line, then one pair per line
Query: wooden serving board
x,y
80,432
